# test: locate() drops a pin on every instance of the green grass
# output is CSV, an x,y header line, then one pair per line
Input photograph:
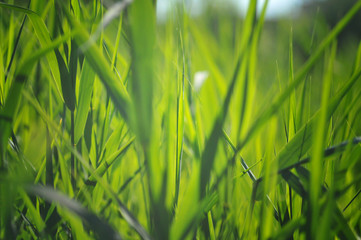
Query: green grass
x,y
114,125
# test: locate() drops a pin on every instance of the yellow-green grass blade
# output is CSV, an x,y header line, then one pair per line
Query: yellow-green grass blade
x,y
180,124
210,149
142,20
85,93
145,122
270,181
248,96
292,98
211,226
209,152
103,167
318,142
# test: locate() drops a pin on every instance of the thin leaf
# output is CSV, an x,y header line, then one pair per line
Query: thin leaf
x,y
85,92
100,227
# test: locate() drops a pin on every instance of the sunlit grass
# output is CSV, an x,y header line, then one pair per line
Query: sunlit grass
x,y
116,125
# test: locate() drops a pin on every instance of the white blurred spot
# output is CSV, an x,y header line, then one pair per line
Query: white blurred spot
x,y
199,79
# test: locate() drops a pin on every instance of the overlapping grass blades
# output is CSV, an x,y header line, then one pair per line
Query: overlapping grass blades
x,y
151,128
300,74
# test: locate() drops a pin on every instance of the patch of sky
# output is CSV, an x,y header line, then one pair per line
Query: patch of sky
x,y
275,8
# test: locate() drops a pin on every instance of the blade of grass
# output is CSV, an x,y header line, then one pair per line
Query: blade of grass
x,y
108,162
353,199
85,92
287,231
292,98
210,149
100,227
328,152
318,141
66,82
16,45
180,125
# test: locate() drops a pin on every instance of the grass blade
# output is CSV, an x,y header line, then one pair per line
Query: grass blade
x,y
101,228
85,92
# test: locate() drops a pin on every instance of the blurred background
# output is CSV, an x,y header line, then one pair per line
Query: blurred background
x,y
308,20
332,10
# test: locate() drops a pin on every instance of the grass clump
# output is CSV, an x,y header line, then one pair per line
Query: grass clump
x,y
116,123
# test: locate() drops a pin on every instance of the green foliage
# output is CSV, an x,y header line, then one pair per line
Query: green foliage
x,y
117,124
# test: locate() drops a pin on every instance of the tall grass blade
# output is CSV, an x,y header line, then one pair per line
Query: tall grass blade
x,y
85,92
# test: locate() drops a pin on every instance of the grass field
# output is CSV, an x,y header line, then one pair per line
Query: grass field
x,y
116,125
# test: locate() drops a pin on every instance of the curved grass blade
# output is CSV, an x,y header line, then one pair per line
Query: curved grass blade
x,y
209,152
108,162
328,152
15,47
100,227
